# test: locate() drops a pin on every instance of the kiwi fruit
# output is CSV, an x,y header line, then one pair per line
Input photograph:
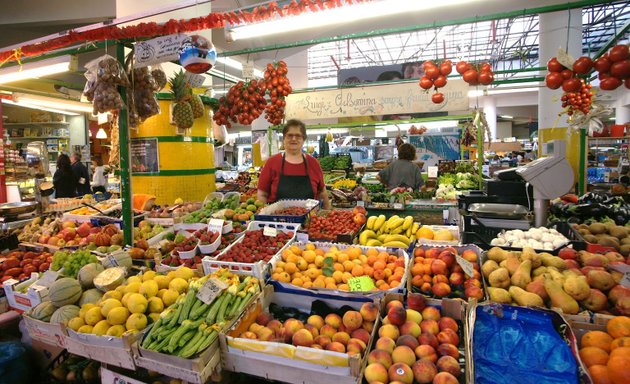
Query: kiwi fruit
x,y
618,232
582,226
625,241
584,232
609,241
590,239
609,226
597,228
625,250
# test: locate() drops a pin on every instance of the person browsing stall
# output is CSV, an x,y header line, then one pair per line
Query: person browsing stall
x,y
402,172
81,174
294,174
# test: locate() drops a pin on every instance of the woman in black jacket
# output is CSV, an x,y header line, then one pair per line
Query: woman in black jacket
x,y
64,180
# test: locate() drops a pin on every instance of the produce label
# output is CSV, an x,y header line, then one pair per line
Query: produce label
x,y
361,284
270,231
215,225
466,265
302,237
625,269
112,260
210,290
158,50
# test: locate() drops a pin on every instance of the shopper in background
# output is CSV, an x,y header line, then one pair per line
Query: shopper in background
x,y
81,174
402,172
99,181
292,175
64,179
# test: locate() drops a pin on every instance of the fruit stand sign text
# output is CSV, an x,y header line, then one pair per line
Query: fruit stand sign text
x,y
158,50
466,265
270,231
210,290
361,284
389,99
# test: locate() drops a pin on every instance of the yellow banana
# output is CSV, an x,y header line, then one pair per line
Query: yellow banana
x,y
370,222
395,225
388,223
400,238
379,223
365,236
415,227
374,243
396,244
408,232
396,231
382,238
412,239
408,222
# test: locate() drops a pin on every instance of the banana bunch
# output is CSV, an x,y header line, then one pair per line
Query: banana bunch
x,y
394,232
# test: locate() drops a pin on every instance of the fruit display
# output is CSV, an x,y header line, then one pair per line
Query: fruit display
x,y
541,238
435,77
211,206
447,272
184,243
572,281
177,210
606,352
191,325
328,225
69,262
430,234
254,246
146,230
607,235
290,211
19,265
393,232
245,211
311,267
416,344
40,229
75,369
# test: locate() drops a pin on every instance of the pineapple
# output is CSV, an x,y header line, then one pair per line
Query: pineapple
x,y
182,111
197,105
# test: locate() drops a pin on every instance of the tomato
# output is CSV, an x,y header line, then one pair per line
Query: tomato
x,y
470,76
440,81
437,98
485,67
620,69
432,72
602,64
582,65
428,64
486,78
553,65
609,83
10,263
446,68
425,83
567,73
462,67
571,85
553,80
618,53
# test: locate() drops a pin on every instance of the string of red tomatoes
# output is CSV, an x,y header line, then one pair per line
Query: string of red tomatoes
x,y
435,75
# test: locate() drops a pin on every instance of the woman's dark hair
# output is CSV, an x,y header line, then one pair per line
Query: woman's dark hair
x,y
389,75
294,123
407,152
63,163
98,161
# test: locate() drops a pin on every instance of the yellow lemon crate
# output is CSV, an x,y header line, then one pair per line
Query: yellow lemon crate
x,y
106,349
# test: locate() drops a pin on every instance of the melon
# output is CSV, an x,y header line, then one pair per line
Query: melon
x,y
90,296
65,314
64,291
87,273
118,259
43,311
443,235
110,279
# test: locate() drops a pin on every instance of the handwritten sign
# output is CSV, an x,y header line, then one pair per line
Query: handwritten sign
x,y
433,172
248,70
210,290
361,284
158,50
215,225
466,265
194,79
270,231
302,237
397,206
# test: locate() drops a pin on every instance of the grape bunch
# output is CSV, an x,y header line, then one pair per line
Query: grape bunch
x,y
243,103
578,101
71,262
277,83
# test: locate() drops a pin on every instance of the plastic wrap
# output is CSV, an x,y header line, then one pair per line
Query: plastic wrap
x,y
159,76
143,87
104,75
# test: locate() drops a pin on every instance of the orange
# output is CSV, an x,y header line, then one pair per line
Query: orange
x,y
599,374
371,252
357,271
618,365
619,326
417,269
597,339
620,342
593,355
310,247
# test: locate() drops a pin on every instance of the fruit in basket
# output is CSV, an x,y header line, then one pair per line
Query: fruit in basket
x,y
559,298
255,247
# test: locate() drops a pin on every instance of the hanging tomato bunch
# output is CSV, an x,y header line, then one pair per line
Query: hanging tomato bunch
x,y
614,68
475,74
278,85
435,77
577,94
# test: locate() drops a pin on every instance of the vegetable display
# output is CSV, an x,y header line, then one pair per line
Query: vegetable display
x,y
326,225
590,208
19,264
542,238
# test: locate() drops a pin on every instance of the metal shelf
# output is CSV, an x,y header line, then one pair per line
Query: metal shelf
x,y
38,137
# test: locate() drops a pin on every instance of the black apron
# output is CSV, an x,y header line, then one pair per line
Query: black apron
x,y
294,187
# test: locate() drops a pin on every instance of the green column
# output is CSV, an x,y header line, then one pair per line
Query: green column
x,y
582,163
125,161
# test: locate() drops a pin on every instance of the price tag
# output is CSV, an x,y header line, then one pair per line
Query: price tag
x,y
194,79
112,260
302,237
210,290
270,231
625,269
360,203
361,284
215,225
48,278
466,265
433,172
248,70
397,206
485,169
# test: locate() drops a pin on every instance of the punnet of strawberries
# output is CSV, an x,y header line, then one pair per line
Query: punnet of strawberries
x,y
255,247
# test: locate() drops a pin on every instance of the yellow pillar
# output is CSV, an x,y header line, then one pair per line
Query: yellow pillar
x,y
572,139
186,162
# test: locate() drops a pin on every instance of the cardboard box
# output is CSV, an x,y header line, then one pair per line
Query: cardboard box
x,y
106,349
34,295
51,334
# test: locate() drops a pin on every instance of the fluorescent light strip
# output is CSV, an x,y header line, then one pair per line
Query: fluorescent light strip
x,y
35,69
51,102
226,76
228,61
325,131
39,107
337,16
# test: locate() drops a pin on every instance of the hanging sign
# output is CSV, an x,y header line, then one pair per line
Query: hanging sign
x,y
145,157
389,99
158,50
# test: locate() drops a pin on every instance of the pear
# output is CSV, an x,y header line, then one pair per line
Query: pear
x,y
522,276
499,278
530,254
577,287
559,298
499,295
488,267
556,276
539,271
497,254
537,286
552,261
512,263
524,298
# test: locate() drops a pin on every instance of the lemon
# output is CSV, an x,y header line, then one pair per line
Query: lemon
x,y
101,328
116,330
137,321
148,275
85,329
169,297
154,317
134,279
148,289
136,303
118,316
133,287
184,273
108,305
125,298
84,308
179,200
121,289
93,316
156,305
112,295
162,281
171,275
75,323
178,284
160,293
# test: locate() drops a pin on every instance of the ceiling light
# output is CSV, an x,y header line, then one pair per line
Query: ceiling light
x,y
101,134
228,61
224,76
37,69
341,15
326,130
52,102
509,117
39,107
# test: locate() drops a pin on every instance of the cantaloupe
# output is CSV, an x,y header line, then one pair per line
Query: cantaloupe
x,y
43,311
87,273
64,292
90,296
110,279
65,314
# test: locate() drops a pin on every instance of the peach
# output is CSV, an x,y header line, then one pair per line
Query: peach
x,y
386,344
356,344
263,318
432,253
274,325
380,356
316,321
341,337
424,371
385,321
418,252
456,278
472,282
448,350
445,378
430,326
248,335
312,329
408,341
393,303
368,326
354,350
254,327
302,338
397,315
449,364
448,258
327,330
416,301
333,320
389,330
439,279
439,267
448,336
369,311
264,334
317,346
441,289
410,328
431,313
403,354
291,326
281,336
413,315
322,340
470,255
361,334
376,372
400,372
473,292
336,347
426,288
427,338
448,323
426,352
352,320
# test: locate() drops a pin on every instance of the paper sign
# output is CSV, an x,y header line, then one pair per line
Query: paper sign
x,y
248,70
112,260
485,169
361,284
302,237
215,225
194,79
466,265
48,278
210,290
360,203
398,206
433,172
158,50
625,269
270,231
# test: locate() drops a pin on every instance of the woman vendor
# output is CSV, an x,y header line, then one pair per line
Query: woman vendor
x,y
294,174
402,172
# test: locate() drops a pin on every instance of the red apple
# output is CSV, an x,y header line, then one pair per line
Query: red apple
x,y
83,230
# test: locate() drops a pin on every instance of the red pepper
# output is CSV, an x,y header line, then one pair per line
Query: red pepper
x,y
570,198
